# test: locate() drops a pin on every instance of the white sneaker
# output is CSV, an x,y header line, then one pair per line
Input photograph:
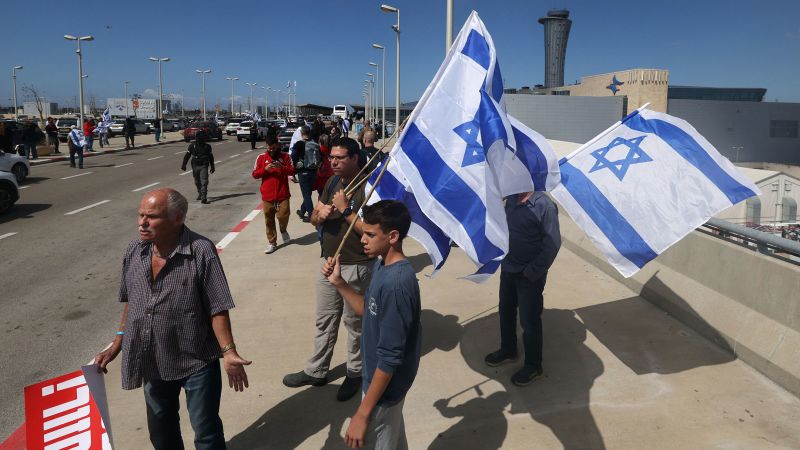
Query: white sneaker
x,y
286,238
270,249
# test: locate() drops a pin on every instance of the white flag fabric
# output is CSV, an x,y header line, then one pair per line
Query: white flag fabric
x,y
646,184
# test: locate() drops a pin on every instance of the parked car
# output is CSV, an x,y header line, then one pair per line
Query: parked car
x,y
118,126
281,123
222,122
64,125
233,124
15,164
243,131
285,138
209,126
9,191
10,135
177,124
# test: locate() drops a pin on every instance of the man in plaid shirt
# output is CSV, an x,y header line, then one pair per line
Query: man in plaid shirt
x,y
175,325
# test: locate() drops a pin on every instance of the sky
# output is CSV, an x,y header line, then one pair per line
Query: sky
x,y
326,45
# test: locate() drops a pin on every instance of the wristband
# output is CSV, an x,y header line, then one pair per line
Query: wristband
x,y
230,346
120,333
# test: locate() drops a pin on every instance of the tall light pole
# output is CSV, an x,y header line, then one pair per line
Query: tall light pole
x,y
368,106
203,76
278,101
80,68
160,90
252,85
377,84
383,94
14,80
372,96
396,28
125,85
448,33
232,80
269,89
266,104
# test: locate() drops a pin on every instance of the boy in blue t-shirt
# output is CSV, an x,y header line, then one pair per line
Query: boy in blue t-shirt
x,y
391,333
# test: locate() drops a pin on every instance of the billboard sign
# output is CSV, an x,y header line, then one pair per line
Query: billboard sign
x,y
142,108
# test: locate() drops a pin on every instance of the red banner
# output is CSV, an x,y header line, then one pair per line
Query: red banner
x,y
61,413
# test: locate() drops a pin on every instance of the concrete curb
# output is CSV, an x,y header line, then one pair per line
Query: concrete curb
x,y
48,160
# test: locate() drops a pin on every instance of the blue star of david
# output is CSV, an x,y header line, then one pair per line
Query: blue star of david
x,y
473,154
613,86
620,167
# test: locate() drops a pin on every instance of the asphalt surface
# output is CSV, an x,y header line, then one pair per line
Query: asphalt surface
x,y
62,245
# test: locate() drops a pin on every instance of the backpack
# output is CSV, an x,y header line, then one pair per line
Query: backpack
x,y
312,157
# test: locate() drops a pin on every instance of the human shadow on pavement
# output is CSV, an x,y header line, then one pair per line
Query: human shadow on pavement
x,y
35,180
23,211
420,262
559,400
292,421
307,239
648,341
483,425
217,198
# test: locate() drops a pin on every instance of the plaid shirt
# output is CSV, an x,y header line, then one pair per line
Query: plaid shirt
x,y
168,334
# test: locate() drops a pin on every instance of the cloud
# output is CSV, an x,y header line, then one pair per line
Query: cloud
x,y
150,93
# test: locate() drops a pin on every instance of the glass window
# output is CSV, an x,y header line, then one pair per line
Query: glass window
x,y
789,210
753,215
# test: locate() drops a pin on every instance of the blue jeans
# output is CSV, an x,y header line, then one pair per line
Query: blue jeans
x,y
158,135
306,181
203,392
73,150
89,142
518,292
30,151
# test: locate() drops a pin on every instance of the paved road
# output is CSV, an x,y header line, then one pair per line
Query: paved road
x,y
60,268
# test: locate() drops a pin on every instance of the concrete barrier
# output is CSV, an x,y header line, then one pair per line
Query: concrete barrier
x,y
746,302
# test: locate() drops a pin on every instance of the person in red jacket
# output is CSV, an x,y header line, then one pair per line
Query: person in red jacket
x,y
88,131
274,168
325,171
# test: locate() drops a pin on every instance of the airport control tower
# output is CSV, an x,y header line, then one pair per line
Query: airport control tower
x,y
556,33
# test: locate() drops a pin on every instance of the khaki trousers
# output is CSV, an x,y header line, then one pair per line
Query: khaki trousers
x,y
271,210
331,310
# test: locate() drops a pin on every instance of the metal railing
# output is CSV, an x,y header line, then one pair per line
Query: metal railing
x,y
765,243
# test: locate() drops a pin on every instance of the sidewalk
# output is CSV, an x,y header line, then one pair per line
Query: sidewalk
x,y
619,373
117,144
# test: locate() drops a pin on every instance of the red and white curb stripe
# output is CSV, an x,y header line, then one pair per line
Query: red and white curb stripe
x,y
238,228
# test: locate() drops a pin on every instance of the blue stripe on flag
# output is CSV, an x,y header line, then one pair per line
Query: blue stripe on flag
x,y
390,188
488,268
497,83
450,191
531,156
491,123
477,48
694,153
613,225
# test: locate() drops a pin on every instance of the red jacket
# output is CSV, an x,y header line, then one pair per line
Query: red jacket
x,y
274,181
88,129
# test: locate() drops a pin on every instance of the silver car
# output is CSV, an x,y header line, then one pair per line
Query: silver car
x,y
15,164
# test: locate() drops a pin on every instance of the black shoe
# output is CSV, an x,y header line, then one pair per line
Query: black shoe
x,y
499,358
204,201
301,378
526,376
199,197
306,219
80,167
300,215
348,389
72,165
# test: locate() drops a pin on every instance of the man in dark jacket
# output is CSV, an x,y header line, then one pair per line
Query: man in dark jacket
x,y
202,163
130,133
52,134
533,243
253,135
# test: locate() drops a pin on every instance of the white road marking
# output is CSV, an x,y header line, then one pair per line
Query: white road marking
x,y
122,165
253,214
78,175
86,207
217,162
234,156
227,240
248,151
145,187
3,236
188,171
157,157
25,187
178,153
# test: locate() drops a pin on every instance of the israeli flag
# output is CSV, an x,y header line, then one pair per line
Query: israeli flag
x,y
256,117
645,184
459,154
106,122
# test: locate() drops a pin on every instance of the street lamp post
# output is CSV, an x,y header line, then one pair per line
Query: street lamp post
x,y
203,76
160,91
374,100
125,86
448,33
383,94
396,28
232,80
14,80
266,103
368,104
80,68
269,89
252,85
377,84
278,102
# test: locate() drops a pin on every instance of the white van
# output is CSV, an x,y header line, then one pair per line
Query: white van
x,y
341,111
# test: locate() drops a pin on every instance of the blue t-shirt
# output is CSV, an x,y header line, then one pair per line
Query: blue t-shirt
x,y
391,334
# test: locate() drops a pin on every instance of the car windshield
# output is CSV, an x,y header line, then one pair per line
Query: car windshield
x,y
119,122
67,122
234,121
246,124
199,125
